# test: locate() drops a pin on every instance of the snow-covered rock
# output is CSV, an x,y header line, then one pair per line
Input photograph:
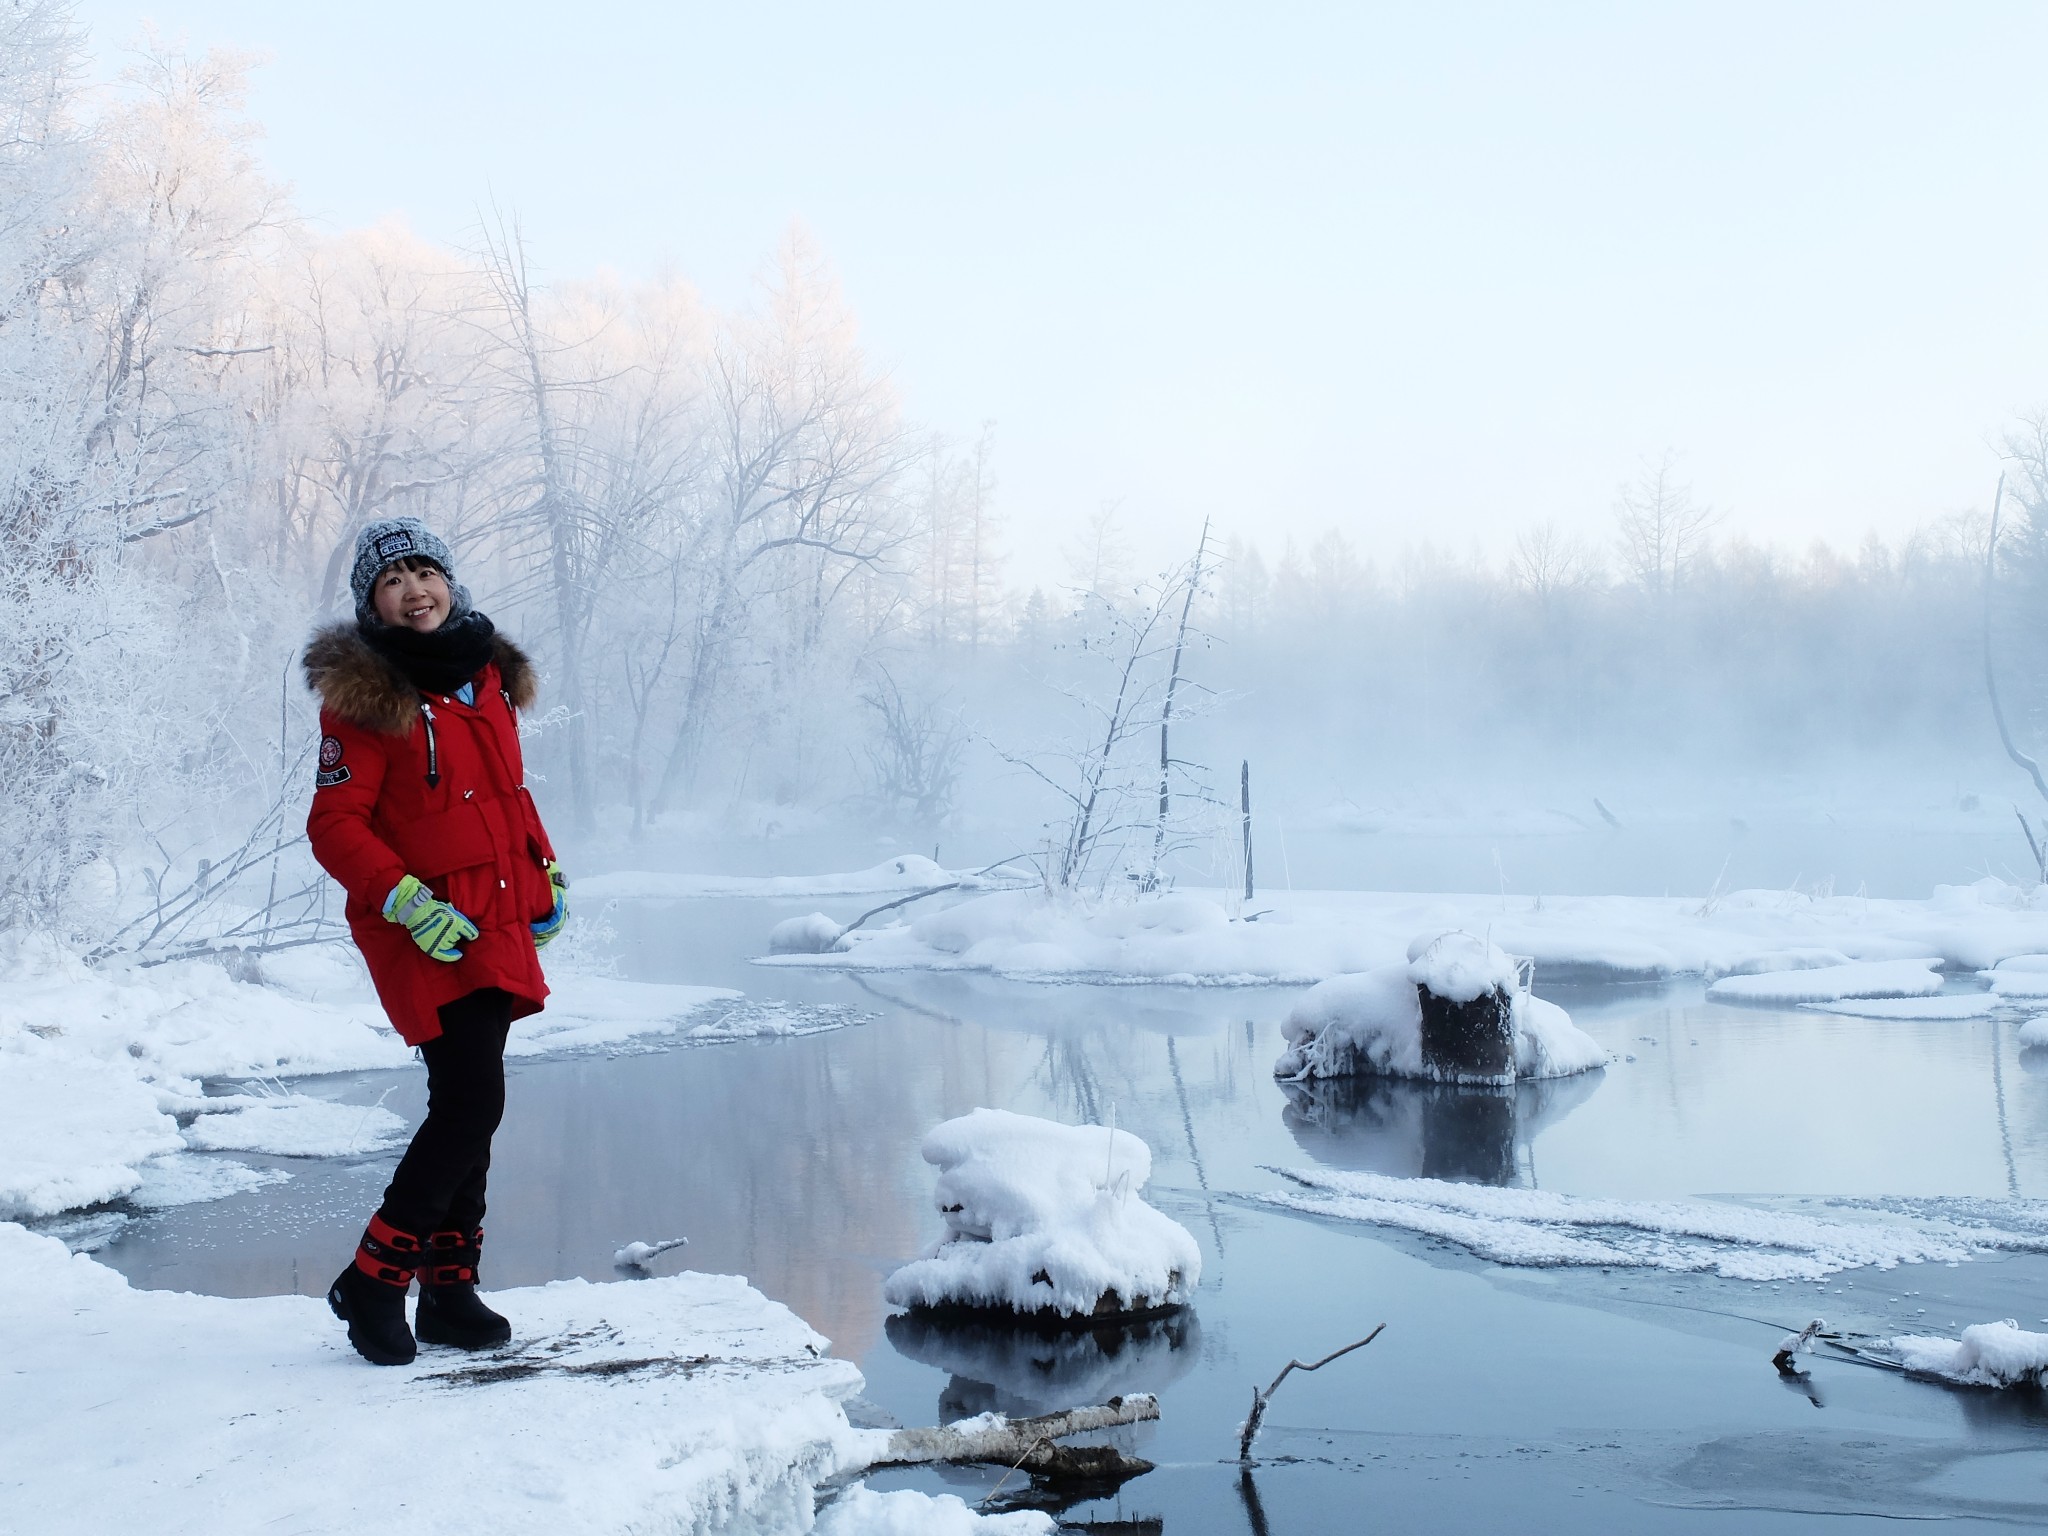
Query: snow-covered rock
x,y
2033,1034
1832,983
1987,1355
1371,1023
1043,1218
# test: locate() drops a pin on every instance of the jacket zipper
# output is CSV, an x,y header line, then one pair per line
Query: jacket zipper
x,y
433,755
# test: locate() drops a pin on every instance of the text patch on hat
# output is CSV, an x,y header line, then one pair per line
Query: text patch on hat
x,y
392,545
332,770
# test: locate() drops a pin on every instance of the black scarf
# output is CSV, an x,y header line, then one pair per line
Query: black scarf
x,y
436,660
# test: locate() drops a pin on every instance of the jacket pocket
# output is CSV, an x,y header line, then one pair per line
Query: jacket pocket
x,y
454,854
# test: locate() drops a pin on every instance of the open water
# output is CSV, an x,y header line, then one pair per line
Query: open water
x,y
1497,1399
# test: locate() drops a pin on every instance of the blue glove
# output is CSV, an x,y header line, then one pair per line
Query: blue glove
x,y
549,926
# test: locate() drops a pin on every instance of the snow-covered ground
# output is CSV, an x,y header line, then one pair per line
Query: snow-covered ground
x,y
906,872
1537,1227
1043,1217
690,1403
1308,936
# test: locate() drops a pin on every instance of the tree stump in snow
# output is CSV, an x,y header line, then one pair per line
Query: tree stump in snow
x,y
1468,1042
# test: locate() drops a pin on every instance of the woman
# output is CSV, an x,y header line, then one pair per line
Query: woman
x,y
421,812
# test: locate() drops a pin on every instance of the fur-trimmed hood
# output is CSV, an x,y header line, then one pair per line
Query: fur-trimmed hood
x,y
363,688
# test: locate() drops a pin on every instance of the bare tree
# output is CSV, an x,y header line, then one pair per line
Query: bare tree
x,y
1659,528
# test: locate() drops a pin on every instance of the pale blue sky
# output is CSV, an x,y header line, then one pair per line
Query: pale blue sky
x,y
1415,271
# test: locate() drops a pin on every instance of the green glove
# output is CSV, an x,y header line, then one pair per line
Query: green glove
x,y
436,927
551,925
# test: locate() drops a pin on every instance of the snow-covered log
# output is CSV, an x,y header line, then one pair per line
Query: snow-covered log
x,y
1043,1220
1019,1442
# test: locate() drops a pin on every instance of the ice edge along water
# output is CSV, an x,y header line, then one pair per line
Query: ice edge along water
x,y
1532,1227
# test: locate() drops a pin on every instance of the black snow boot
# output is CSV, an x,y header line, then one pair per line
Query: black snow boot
x,y
370,1294
450,1310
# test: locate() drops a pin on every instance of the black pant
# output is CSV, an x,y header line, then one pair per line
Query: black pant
x,y
439,1184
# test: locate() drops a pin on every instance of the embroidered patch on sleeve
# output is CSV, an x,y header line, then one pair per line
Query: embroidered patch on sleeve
x,y
332,770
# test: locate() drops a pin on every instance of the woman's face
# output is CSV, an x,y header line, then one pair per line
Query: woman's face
x,y
411,599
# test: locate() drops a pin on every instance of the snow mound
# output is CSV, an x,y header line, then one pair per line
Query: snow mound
x,y
1538,1228
296,1126
2034,1033
812,934
860,1511
1987,1355
1045,1218
1958,1005
1832,983
2019,976
690,1403
1371,1024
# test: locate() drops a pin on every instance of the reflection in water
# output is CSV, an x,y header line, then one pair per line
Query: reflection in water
x,y
1410,1129
1022,1371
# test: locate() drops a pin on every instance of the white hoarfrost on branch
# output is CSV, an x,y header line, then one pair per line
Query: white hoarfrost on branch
x,y
1045,1219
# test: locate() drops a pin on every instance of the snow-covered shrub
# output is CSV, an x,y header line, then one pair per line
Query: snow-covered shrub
x,y
1045,1218
1370,1023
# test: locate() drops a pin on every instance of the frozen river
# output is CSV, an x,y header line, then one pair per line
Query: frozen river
x,y
1498,1398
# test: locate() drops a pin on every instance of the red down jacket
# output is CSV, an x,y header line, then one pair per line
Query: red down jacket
x,y
421,784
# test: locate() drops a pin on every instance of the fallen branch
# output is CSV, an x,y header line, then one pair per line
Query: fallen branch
x,y
1025,1443
1261,1399
901,901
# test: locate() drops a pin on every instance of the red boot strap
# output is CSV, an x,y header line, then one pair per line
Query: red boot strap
x,y
447,1274
382,1232
387,1254
381,1269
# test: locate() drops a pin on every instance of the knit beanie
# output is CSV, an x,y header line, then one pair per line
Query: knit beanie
x,y
395,538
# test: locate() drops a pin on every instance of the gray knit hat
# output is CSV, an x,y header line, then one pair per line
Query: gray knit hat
x,y
394,538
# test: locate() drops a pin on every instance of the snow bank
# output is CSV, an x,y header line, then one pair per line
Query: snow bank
x,y
906,872
1987,1355
2034,1033
1371,1024
860,1511
2019,976
73,1130
1831,983
1536,1227
1045,1218
689,1403
1310,936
